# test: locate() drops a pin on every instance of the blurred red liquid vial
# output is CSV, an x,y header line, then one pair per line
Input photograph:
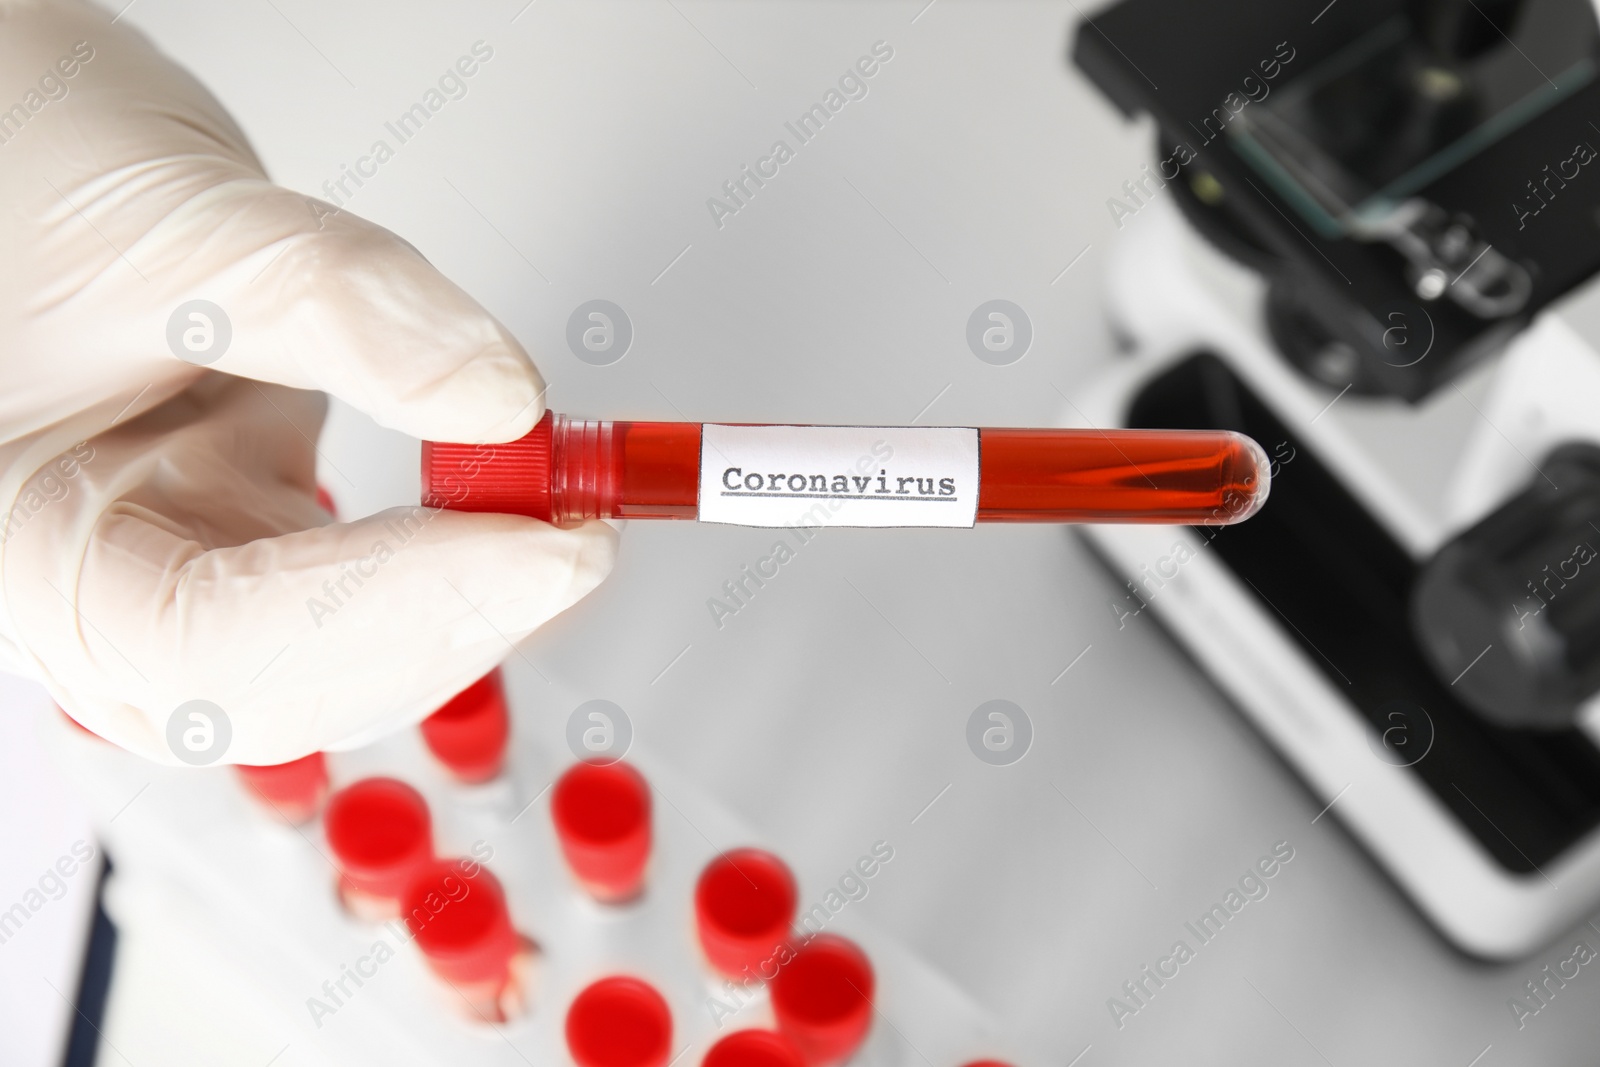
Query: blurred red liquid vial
x,y
823,999
744,906
988,1063
75,724
456,911
293,790
602,818
619,1022
468,734
382,838
754,1048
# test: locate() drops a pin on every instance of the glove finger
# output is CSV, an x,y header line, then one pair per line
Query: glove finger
x,y
134,204
305,640
321,299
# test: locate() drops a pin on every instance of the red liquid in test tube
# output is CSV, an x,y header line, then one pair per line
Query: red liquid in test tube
x,y
293,790
754,1048
823,999
568,470
602,819
619,1022
456,911
744,908
381,836
468,734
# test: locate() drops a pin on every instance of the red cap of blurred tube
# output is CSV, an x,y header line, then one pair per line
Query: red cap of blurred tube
x,y
602,818
294,790
823,999
381,835
468,734
78,725
754,1048
619,1022
460,922
744,906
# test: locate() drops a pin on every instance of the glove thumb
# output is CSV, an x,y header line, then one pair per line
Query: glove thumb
x,y
318,298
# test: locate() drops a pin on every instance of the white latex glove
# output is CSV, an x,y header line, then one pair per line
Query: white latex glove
x,y
161,543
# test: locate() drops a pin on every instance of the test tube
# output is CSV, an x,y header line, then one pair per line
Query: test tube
x,y
619,1022
744,907
293,790
754,1048
823,999
382,837
567,470
468,734
602,818
456,910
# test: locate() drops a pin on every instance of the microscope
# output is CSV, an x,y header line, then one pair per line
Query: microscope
x,y
1368,239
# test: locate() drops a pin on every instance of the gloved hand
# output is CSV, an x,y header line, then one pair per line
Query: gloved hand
x,y
161,542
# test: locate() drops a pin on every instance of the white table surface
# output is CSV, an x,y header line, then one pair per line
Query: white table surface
x,y
832,710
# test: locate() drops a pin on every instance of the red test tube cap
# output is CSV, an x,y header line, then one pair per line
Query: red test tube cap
x,y
460,922
619,1022
602,818
744,907
988,1063
381,835
512,478
754,1048
823,999
468,734
294,790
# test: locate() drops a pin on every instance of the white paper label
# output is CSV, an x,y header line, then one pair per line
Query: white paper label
x,y
839,475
